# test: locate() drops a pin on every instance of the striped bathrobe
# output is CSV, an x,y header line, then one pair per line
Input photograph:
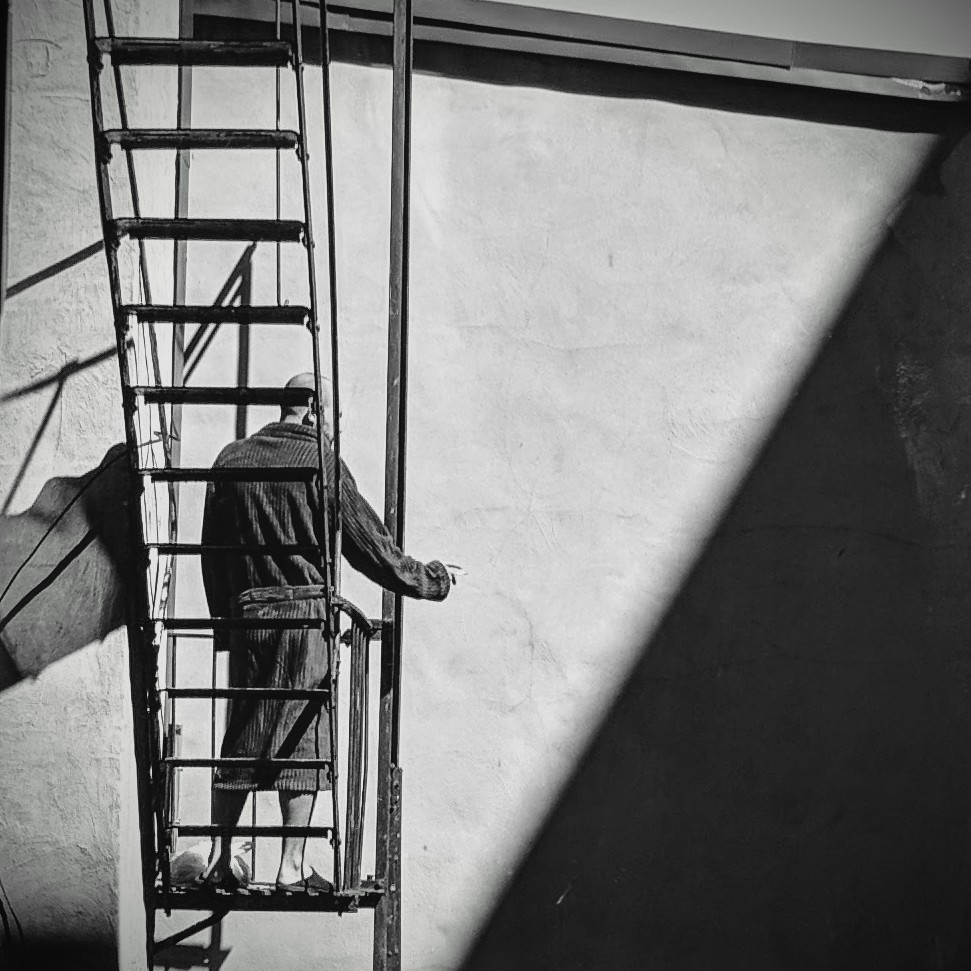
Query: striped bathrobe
x,y
288,586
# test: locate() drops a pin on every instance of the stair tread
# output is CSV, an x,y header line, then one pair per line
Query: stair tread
x,y
214,138
198,394
145,50
209,314
272,230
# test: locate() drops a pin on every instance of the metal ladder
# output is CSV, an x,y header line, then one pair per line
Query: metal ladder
x,y
152,416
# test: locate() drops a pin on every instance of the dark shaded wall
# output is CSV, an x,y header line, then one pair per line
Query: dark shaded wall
x,y
784,781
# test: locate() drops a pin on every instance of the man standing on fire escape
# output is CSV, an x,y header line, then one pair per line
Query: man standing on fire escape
x,y
286,586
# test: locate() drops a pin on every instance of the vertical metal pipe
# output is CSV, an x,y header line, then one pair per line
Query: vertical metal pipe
x,y
387,937
279,209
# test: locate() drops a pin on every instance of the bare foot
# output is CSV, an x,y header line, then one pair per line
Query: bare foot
x,y
225,874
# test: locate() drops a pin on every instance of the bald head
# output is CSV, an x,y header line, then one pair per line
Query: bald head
x,y
302,413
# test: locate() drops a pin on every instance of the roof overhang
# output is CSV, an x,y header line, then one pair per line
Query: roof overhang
x,y
540,30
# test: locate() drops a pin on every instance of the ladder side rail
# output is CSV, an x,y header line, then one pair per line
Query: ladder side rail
x,y
173,740
332,276
130,161
142,252
277,4
179,274
164,572
139,640
336,534
329,625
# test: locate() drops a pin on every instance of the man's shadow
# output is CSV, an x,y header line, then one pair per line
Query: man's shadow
x,y
63,568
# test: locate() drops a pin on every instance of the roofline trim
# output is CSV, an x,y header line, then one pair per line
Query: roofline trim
x,y
505,26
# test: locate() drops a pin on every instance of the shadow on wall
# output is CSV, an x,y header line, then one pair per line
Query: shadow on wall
x,y
785,780
62,568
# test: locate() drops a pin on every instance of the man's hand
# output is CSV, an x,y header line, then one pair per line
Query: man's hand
x,y
454,572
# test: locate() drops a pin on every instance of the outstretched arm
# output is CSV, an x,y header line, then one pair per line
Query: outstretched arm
x,y
370,549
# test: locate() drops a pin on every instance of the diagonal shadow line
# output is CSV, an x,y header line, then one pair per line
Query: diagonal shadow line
x,y
50,271
89,537
60,376
698,806
59,380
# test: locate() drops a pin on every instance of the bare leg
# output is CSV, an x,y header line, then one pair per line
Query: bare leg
x,y
227,804
296,809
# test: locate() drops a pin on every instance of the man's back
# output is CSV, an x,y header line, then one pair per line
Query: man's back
x,y
271,513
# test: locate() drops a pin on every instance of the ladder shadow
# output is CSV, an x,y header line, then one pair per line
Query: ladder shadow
x,y
82,557
181,957
784,780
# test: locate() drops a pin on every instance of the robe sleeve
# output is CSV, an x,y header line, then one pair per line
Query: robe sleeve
x,y
371,550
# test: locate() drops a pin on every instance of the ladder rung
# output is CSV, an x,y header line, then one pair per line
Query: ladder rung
x,y
210,830
275,694
293,474
215,53
239,623
175,138
223,396
239,763
273,230
204,314
250,549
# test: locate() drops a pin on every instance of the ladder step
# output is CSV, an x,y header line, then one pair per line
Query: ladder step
x,y
212,53
238,763
276,694
205,314
223,396
194,549
294,474
238,623
273,230
209,830
176,138
262,897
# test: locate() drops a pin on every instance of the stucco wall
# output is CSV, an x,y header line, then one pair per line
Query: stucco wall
x,y
68,829
617,289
